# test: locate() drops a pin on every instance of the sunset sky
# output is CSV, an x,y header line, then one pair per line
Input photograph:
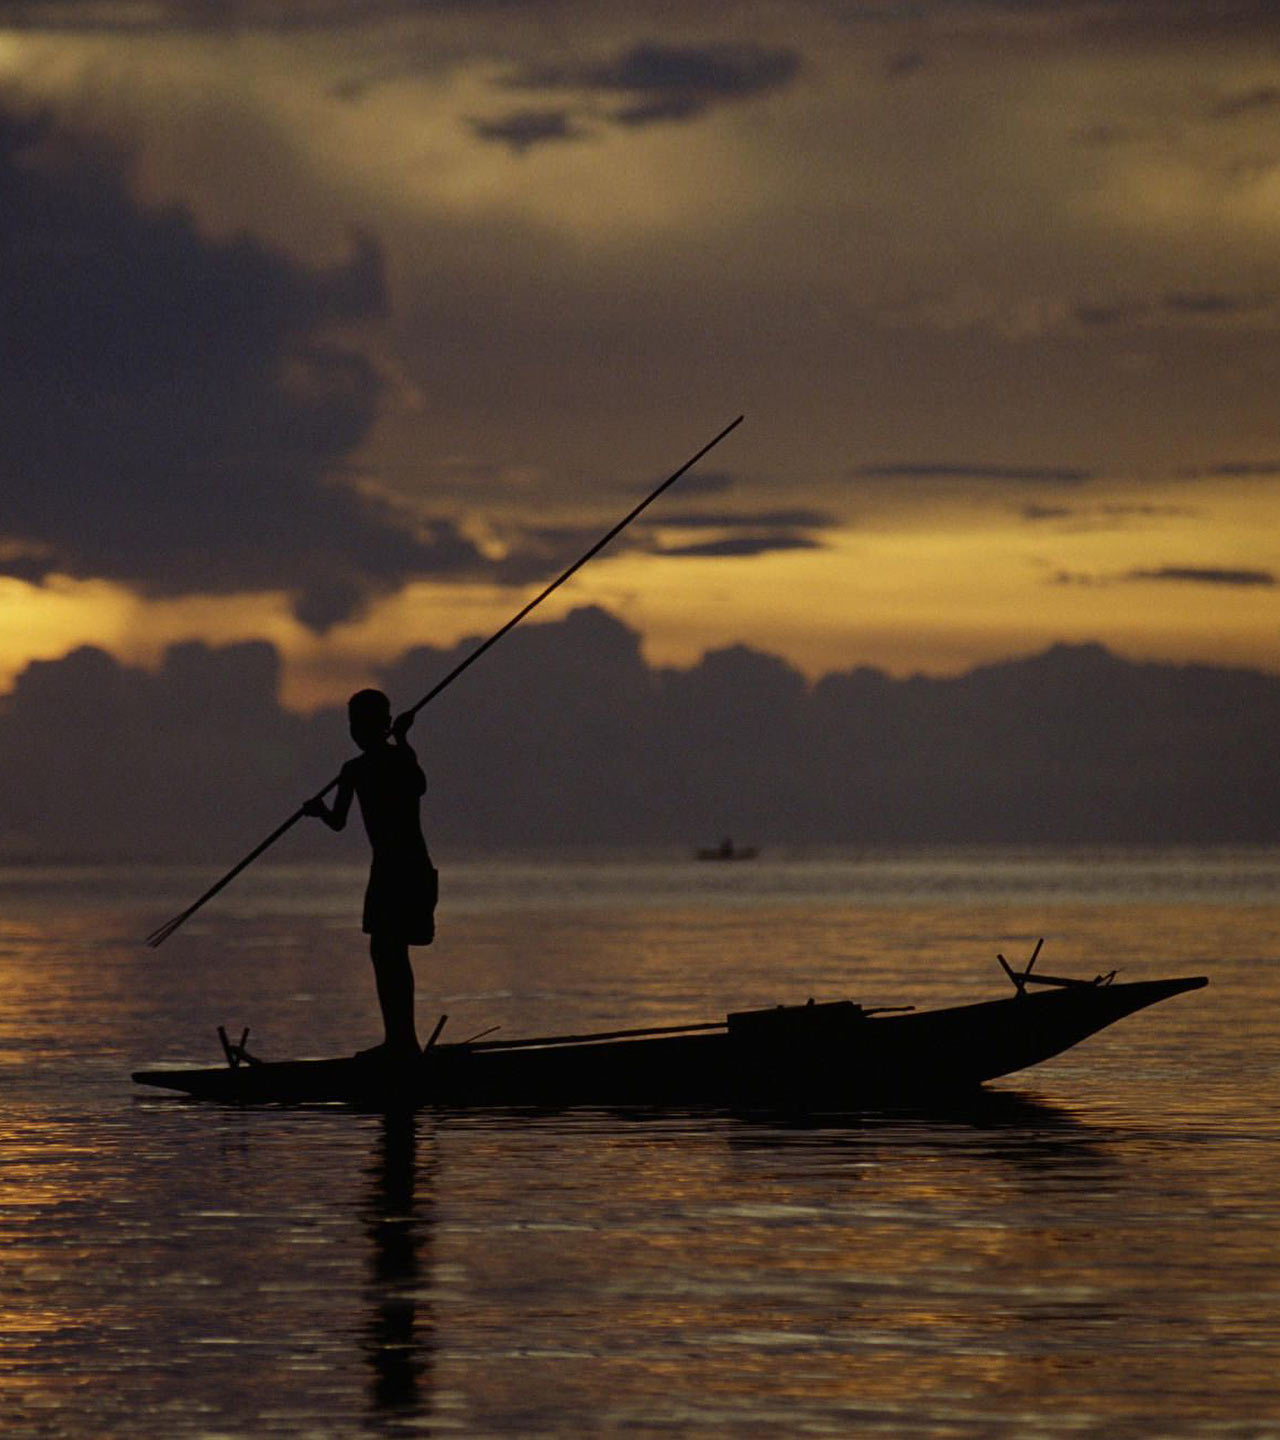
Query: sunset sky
x,y
346,325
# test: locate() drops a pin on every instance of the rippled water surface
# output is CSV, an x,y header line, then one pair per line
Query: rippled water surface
x,y
1094,1252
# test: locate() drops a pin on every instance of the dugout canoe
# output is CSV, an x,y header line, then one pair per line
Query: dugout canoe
x,y
833,1056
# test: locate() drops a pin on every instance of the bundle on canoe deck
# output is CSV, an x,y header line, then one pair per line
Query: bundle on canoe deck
x,y
828,1056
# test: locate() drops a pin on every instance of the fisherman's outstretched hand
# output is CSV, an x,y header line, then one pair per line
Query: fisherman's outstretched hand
x,y
315,808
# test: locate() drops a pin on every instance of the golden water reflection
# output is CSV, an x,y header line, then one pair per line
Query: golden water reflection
x,y
1093,1251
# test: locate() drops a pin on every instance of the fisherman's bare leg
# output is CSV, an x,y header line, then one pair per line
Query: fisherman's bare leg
x,y
393,973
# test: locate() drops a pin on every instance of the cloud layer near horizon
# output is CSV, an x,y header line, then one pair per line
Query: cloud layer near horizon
x,y
571,738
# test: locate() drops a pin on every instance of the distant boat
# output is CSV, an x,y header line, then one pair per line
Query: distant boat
x,y
727,850
835,1056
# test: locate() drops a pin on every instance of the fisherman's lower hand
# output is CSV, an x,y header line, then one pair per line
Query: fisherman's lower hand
x,y
400,725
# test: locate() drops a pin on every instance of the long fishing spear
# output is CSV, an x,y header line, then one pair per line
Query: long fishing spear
x,y
160,935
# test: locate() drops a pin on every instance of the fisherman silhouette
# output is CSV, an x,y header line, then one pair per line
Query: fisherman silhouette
x,y
400,900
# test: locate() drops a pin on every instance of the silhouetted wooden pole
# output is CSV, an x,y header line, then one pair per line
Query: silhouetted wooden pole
x,y
160,935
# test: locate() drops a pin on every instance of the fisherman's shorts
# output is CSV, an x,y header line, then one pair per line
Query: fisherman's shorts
x,y
400,900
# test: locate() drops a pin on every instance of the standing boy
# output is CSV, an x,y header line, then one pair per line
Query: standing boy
x,y
400,901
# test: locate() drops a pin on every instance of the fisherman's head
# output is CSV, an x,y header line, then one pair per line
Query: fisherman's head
x,y
369,716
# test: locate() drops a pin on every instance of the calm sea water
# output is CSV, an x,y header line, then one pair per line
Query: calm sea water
x,y
1098,1255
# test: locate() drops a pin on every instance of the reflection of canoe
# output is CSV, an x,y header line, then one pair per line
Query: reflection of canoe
x,y
834,1056
727,850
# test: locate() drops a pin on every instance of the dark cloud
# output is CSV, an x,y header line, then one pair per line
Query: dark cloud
x,y
1173,574
202,16
1144,512
736,519
1096,516
1213,304
1174,305
525,128
659,82
540,551
736,546
744,532
1152,19
1246,102
534,552
1193,575
1014,474
176,409
704,482
1159,20
1109,312
1235,470
908,62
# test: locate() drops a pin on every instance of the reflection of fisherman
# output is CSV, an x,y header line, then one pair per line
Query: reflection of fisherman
x,y
399,1338
400,901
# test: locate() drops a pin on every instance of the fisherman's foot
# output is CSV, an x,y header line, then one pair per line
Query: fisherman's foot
x,y
393,1051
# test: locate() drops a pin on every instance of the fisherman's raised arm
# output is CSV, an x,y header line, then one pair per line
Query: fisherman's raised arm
x,y
408,754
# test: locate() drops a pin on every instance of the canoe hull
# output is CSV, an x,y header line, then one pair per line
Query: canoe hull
x,y
825,1057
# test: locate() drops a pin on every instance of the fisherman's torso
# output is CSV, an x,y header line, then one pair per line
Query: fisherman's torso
x,y
389,783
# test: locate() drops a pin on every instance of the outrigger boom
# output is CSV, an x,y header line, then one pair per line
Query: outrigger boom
x,y
1022,978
